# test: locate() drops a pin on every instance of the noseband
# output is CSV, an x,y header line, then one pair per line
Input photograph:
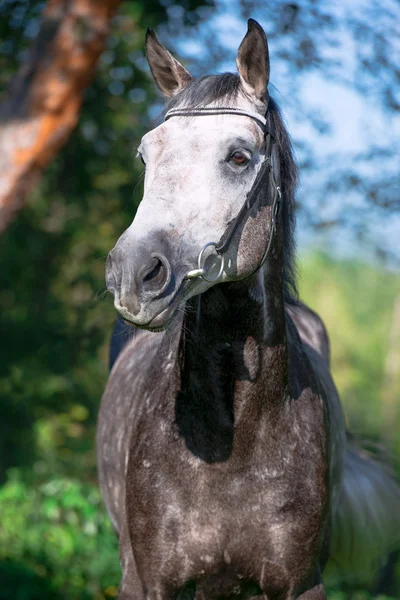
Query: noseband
x,y
270,165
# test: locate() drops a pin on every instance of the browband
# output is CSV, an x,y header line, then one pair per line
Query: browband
x,y
215,110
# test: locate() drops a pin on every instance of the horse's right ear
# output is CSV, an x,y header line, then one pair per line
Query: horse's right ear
x,y
170,76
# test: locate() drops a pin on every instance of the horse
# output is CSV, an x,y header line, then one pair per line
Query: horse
x,y
223,456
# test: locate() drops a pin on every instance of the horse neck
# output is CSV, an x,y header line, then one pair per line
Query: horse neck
x,y
233,362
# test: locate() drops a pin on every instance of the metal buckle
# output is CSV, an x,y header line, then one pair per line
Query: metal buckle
x,y
201,272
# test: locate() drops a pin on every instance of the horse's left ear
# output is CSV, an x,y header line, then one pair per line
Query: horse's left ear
x,y
170,76
253,62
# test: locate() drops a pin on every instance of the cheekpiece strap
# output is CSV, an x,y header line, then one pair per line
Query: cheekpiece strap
x,y
270,165
215,110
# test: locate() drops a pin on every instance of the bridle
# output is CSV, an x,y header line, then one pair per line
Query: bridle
x,y
273,197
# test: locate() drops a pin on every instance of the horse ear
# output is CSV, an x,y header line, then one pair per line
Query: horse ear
x,y
253,61
170,76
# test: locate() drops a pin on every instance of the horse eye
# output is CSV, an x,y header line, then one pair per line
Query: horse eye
x,y
239,158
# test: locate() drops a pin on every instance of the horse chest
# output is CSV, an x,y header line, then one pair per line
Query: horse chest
x,y
199,519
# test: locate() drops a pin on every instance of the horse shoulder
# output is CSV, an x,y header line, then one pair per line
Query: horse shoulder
x,y
121,404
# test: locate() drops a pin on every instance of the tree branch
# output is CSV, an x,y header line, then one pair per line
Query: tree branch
x,y
42,104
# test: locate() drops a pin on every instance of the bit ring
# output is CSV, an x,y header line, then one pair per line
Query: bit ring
x,y
201,272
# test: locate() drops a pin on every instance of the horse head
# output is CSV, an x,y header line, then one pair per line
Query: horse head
x,y
201,164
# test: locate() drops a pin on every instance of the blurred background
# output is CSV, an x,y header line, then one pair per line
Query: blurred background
x,y
75,72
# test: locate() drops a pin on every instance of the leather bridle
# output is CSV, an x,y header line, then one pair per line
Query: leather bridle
x,y
270,166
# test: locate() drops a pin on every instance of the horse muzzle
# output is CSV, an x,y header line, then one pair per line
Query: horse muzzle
x,y
144,285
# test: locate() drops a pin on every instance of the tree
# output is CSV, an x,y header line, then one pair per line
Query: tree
x,y
43,101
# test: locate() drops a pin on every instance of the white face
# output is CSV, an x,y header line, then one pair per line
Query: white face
x,y
198,172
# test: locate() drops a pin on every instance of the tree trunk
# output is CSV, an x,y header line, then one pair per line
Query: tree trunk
x,y
41,106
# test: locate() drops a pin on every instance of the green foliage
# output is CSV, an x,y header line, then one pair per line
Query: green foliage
x,y
55,542
357,305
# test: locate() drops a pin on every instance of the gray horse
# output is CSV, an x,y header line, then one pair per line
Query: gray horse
x,y
223,456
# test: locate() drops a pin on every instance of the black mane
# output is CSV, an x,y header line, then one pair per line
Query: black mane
x,y
225,87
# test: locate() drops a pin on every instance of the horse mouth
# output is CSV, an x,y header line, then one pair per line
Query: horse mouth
x,y
162,320
157,324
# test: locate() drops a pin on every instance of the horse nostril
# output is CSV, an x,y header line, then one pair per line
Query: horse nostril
x,y
156,275
155,267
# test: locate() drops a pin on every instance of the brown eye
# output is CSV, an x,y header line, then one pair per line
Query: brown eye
x,y
239,158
